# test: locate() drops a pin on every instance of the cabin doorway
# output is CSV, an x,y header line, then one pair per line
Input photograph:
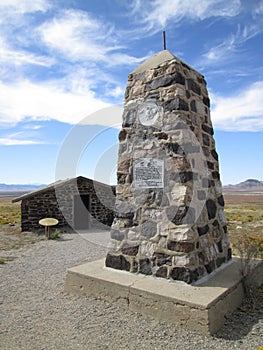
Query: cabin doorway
x,y
82,212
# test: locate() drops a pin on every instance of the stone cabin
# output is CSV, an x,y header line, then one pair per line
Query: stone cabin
x,y
79,203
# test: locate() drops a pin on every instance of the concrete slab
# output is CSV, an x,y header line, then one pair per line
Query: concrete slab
x,y
201,308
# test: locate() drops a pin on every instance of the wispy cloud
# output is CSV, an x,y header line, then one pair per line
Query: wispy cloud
x,y
44,102
18,57
116,92
79,48
158,13
82,51
16,142
240,112
80,37
231,45
18,138
16,31
32,126
24,6
258,10
72,33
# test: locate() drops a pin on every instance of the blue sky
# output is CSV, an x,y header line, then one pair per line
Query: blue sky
x,y
61,61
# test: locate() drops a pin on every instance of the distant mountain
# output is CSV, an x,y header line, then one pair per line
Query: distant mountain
x,y
18,187
250,184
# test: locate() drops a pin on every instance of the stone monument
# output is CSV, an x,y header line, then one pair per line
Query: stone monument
x,y
170,220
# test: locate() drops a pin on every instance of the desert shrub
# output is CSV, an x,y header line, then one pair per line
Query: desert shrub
x,y
55,234
248,248
250,218
259,244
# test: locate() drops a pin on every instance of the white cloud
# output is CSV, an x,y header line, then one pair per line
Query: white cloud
x,y
15,142
29,135
259,8
25,99
160,12
116,59
231,45
240,112
251,30
24,6
18,138
81,38
73,34
220,52
80,49
116,92
32,127
16,57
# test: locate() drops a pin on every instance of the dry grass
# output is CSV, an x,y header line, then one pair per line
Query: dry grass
x,y
10,233
9,212
244,216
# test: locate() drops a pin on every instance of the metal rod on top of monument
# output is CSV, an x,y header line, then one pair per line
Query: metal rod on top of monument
x,y
164,40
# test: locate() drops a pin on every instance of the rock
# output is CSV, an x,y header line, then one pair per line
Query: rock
x,y
192,85
211,208
183,274
165,80
184,247
115,234
149,229
162,272
117,262
145,266
130,249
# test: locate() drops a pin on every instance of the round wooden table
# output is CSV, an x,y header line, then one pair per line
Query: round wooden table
x,y
47,223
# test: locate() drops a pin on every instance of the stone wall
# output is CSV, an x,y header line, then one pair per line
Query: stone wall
x,y
170,218
58,202
38,207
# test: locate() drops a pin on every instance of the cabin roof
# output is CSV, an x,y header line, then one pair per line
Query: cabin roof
x,y
58,184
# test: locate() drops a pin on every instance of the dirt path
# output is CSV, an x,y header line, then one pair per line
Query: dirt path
x,y
37,314
12,241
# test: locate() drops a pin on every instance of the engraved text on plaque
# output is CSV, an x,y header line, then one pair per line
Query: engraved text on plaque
x,y
148,173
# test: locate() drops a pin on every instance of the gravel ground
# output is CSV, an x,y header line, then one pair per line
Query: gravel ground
x,y
36,314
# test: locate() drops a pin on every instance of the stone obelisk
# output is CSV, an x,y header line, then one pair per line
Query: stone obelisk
x,y
169,214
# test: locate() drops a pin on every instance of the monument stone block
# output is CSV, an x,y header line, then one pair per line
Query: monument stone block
x,y
169,219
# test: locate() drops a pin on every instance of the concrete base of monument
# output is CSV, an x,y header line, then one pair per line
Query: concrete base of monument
x,y
201,308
